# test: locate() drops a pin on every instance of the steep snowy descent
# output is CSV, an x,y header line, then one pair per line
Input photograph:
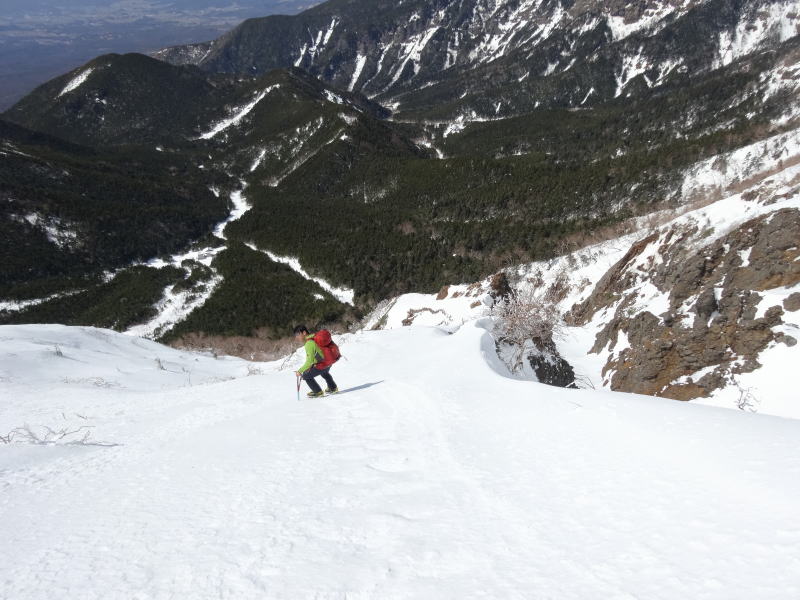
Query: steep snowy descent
x,y
420,481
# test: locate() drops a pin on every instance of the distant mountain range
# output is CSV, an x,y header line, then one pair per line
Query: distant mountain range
x,y
499,57
382,146
40,39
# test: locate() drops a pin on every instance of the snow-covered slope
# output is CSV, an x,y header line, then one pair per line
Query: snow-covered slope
x,y
433,476
40,356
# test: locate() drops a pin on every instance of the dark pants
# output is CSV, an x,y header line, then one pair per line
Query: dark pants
x,y
309,375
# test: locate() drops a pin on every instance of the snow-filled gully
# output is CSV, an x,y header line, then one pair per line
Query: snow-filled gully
x,y
238,114
174,307
344,295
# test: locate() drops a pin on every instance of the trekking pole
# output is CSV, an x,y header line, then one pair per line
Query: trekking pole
x,y
298,387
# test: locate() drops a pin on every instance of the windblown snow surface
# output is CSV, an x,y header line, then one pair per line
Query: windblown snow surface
x,y
435,475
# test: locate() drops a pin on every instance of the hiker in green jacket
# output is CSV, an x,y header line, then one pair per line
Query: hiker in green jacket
x,y
316,364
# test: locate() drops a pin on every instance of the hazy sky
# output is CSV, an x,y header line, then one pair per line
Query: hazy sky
x,y
40,39
27,13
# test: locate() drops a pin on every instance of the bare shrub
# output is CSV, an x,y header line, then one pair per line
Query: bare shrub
x,y
499,286
253,370
527,316
583,382
47,436
746,401
95,381
559,288
413,312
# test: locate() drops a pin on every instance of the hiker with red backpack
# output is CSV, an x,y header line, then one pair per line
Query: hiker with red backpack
x,y
321,353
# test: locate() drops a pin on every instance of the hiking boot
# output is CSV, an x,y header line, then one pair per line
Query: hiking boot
x,y
331,390
319,394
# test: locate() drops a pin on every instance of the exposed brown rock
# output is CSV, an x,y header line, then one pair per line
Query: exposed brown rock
x,y
792,303
499,286
611,286
713,294
549,366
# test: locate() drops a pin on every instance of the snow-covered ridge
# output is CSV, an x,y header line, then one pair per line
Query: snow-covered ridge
x,y
718,174
192,54
417,50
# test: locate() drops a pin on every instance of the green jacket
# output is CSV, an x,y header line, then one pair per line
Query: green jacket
x,y
313,354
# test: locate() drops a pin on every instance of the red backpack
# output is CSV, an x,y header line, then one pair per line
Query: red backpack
x,y
330,351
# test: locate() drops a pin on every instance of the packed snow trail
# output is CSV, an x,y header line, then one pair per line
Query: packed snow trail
x,y
428,479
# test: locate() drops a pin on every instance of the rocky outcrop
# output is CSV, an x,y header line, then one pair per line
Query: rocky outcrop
x,y
683,316
550,367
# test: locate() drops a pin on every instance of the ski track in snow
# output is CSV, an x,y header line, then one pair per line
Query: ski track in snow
x,y
419,482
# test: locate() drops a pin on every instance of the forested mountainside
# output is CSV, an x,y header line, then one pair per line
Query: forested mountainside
x,y
366,149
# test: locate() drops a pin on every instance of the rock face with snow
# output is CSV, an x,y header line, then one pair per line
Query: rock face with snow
x,y
557,53
700,303
719,314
